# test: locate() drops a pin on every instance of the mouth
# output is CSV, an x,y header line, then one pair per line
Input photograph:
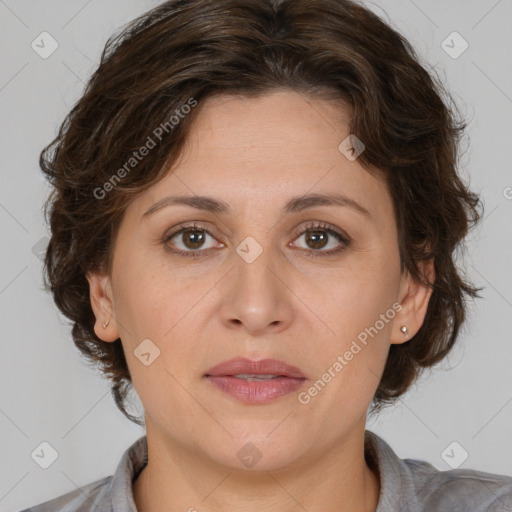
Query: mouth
x,y
245,368
256,382
251,377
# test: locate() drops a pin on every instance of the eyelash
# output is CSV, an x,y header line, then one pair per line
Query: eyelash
x,y
312,226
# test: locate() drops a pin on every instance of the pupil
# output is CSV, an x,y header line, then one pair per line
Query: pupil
x,y
189,238
317,234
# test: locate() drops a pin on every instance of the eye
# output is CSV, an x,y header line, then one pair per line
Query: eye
x,y
318,235
191,238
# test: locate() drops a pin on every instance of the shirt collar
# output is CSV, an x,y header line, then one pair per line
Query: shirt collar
x,y
397,490
132,463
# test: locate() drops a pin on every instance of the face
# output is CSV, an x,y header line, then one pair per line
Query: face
x,y
307,285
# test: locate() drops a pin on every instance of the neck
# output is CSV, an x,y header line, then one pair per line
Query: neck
x,y
178,478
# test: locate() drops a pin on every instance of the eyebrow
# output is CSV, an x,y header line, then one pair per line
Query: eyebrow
x,y
296,204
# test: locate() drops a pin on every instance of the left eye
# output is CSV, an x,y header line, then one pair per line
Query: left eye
x,y
319,237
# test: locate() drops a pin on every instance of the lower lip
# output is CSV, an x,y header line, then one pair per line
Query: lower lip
x,y
256,392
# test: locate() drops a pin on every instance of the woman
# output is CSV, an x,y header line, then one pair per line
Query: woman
x,y
255,212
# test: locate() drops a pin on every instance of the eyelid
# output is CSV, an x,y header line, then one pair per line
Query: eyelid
x,y
187,226
321,225
343,238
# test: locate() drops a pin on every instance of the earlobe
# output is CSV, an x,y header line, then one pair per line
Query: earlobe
x,y
100,291
415,300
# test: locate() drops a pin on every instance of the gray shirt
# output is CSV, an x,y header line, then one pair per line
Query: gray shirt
x,y
407,485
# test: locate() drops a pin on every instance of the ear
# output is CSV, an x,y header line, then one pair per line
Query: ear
x,y
414,300
103,306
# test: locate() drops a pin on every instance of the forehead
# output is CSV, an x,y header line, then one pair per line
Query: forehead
x,y
285,123
260,152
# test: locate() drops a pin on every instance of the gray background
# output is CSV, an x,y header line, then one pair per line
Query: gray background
x,y
49,394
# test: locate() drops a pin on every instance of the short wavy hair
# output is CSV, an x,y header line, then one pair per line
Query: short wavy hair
x,y
185,51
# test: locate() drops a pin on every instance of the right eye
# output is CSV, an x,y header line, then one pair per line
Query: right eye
x,y
191,237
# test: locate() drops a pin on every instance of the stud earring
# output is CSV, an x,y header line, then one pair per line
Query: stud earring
x,y
106,323
403,328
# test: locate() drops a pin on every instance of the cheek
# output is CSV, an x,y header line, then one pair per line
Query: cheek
x,y
149,297
365,291
362,308
156,334
153,303
348,369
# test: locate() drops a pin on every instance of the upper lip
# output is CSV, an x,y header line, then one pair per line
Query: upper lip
x,y
262,367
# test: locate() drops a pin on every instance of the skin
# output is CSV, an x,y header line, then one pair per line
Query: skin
x,y
255,154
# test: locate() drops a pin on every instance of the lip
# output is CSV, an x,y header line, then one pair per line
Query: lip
x,y
262,367
289,379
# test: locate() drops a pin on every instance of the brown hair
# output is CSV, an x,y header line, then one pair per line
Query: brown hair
x,y
185,51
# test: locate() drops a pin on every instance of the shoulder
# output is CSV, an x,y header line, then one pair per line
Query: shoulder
x,y
93,497
409,485
460,489
105,494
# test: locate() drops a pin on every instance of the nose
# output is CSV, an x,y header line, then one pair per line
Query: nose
x,y
256,298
